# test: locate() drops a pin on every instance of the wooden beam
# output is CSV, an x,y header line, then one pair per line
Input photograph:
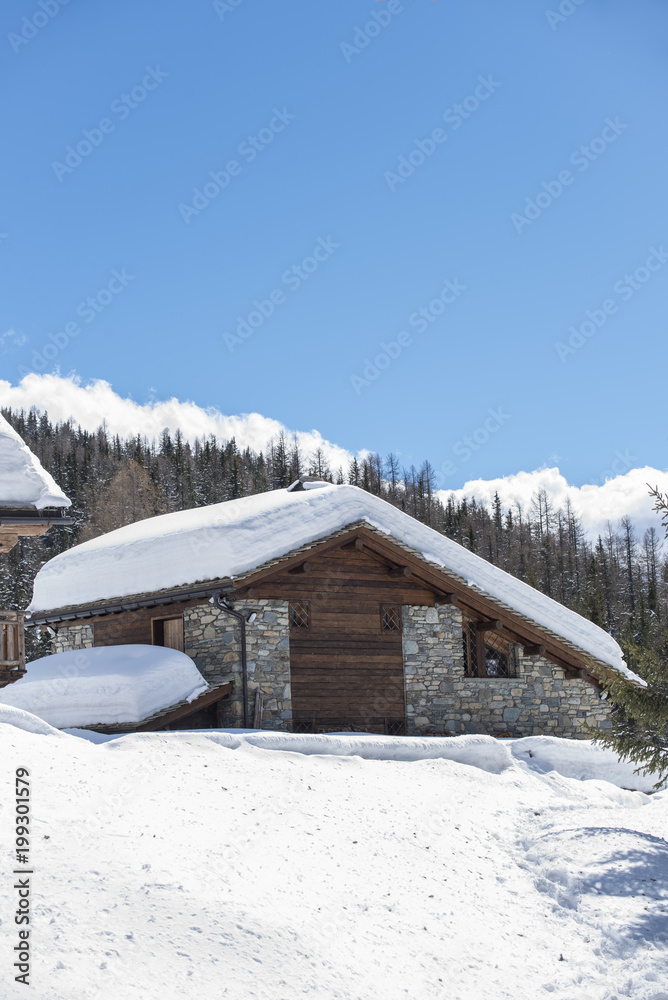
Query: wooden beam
x,y
357,545
400,571
533,650
496,625
304,567
206,699
452,599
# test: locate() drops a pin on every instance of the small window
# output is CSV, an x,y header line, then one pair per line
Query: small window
x,y
487,654
300,616
390,615
168,632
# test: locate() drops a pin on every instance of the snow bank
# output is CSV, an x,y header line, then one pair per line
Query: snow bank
x,y
20,719
226,540
483,752
580,759
23,481
107,685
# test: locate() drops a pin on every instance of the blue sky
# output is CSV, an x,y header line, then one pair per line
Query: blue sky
x,y
332,124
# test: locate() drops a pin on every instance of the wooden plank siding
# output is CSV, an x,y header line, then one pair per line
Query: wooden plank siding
x,y
345,669
136,626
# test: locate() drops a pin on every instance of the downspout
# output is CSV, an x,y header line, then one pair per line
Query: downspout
x,y
221,603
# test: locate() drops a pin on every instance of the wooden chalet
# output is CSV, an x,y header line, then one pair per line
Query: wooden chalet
x,y
327,609
30,503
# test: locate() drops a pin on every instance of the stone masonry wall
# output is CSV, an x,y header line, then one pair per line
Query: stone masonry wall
x,y
212,640
73,637
440,699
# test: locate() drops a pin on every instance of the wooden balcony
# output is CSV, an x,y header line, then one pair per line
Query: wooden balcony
x,y
12,650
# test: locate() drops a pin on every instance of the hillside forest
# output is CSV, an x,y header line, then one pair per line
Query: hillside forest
x,y
618,580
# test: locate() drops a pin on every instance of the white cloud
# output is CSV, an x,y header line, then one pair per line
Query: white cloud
x,y
65,398
89,404
595,503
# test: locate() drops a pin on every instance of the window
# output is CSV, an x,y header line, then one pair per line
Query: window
x,y
390,616
487,654
168,632
300,616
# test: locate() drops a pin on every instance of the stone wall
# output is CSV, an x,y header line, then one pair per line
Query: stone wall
x,y
73,637
440,699
212,640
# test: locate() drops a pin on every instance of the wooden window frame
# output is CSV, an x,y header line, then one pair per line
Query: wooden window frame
x,y
156,628
470,633
394,609
306,605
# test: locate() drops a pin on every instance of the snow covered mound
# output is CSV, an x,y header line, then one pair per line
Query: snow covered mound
x,y
226,540
580,759
478,751
23,481
17,717
105,686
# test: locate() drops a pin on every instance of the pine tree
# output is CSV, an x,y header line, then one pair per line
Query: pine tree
x,y
640,720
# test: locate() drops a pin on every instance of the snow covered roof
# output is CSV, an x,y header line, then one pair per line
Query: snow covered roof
x,y
106,686
229,540
23,481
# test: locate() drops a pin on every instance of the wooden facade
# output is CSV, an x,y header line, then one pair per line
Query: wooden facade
x,y
346,662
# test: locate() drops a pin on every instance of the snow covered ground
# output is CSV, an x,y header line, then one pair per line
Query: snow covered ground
x,y
215,864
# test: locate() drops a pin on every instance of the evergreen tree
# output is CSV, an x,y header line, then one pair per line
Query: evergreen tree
x,y
640,720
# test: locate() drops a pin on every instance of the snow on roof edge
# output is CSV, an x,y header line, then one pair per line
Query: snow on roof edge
x,y
24,482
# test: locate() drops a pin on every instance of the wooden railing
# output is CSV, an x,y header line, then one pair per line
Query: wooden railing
x,y
12,650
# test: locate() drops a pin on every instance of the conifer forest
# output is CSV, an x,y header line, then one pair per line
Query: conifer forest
x,y
619,580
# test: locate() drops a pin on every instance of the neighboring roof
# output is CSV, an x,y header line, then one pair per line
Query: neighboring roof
x,y
105,686
226,541
23,481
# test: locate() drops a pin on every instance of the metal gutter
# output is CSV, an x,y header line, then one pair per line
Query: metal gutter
x,y
241,618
